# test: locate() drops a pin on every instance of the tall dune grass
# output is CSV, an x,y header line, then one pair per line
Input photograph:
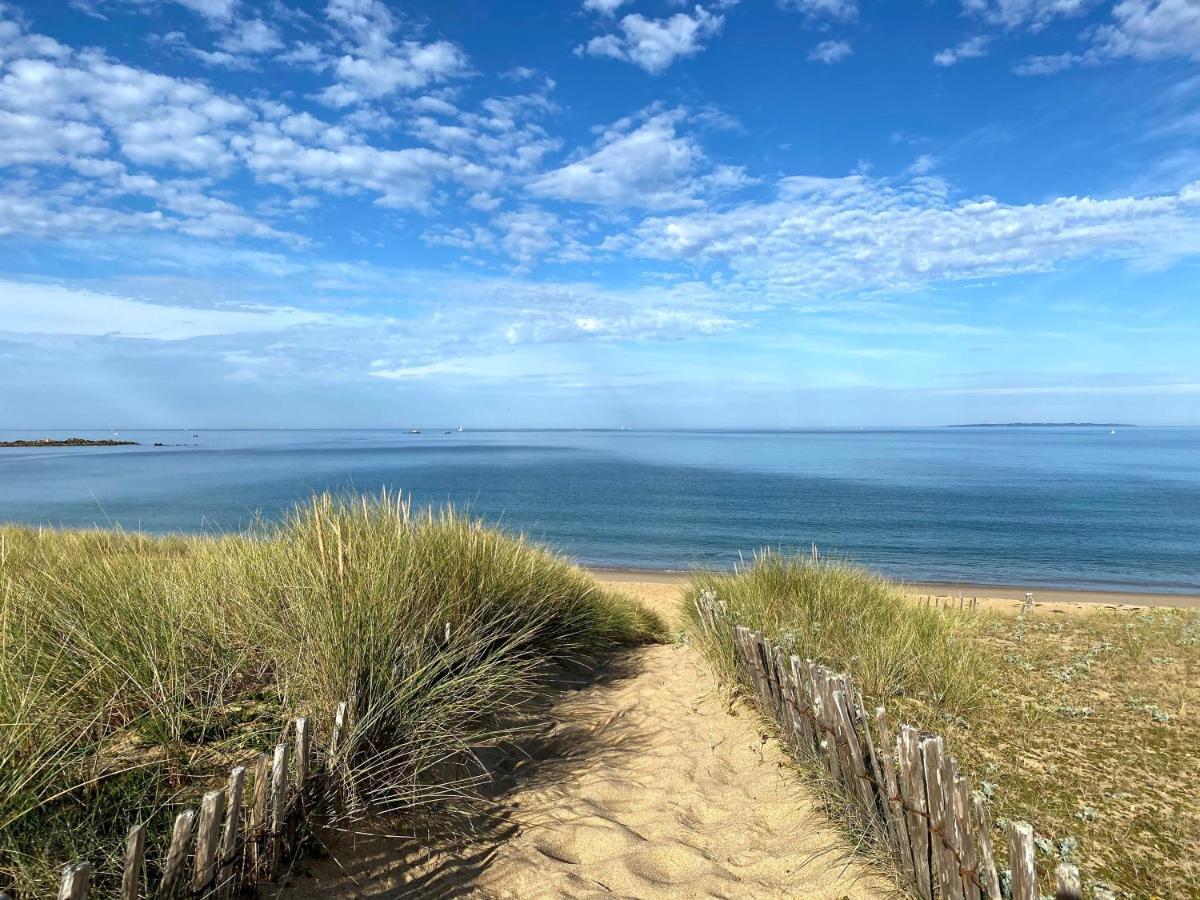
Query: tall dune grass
x,y
133,669
850,620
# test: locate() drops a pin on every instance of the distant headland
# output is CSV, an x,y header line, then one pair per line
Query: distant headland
x,y
68,442
1044,425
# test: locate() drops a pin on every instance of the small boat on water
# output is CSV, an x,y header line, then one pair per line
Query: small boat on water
x,y
415,431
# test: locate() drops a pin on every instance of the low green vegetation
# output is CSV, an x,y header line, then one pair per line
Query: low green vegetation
x,y
134,670
1085,724
1091,732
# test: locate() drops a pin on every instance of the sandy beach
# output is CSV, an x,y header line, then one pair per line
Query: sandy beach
x,y
988,592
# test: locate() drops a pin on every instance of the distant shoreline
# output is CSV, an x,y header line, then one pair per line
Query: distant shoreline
x,y
68,442
1044,425
952,589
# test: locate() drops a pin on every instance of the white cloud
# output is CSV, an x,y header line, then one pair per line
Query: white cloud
x,y
830,52
217,10
528,234
376,66
303,54
653,44
99,117
504,132
28,308
368,20
1035,14
971,48
180,206
251,36
1048,65
604,7
841,10
1144,30
28,138
924,164
407,66
155,119
854,233
399,178
650,166
1151,29
474,238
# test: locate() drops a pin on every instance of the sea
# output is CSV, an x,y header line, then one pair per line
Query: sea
x,y
1105,508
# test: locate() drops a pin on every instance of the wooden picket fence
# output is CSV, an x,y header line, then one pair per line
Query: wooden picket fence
x,y
944,601
905,789
239,836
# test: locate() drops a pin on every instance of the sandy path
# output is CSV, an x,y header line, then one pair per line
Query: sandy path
x,y
648,786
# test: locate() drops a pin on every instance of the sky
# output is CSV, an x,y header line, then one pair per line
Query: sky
x,y
610,213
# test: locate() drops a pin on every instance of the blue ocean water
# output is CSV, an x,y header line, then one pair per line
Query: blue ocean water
x,y
1067,507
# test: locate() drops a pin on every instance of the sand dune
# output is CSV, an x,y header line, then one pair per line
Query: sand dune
x,y
647,785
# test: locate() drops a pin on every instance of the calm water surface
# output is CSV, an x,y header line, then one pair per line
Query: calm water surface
x,y
1071,507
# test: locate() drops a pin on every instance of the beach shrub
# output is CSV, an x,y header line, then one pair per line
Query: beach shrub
x,y
135,669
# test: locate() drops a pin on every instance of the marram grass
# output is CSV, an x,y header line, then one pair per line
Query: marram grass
x,y
850,620
134,670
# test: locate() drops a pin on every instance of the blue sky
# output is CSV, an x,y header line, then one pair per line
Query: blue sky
x,y
638,213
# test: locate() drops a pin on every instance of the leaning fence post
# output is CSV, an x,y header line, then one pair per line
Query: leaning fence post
x,y
891,791
181,837
227,871
878,783
135,849
991,881
858,778
212,810
75,880
1067,883
1024,871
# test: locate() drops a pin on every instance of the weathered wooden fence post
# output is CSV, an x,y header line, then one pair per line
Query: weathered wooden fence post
x,y
1067,884
212,811
1021,859
135,850
227,871
177,853
258,812
302,753
75,880
279,786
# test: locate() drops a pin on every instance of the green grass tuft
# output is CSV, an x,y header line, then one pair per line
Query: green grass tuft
x,y
852,621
